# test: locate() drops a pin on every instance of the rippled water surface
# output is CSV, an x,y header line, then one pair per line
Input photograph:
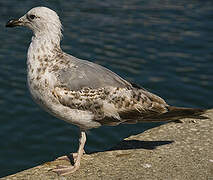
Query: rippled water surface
x,y
164,46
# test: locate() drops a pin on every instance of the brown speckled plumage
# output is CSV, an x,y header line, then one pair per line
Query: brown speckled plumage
x,y
122,101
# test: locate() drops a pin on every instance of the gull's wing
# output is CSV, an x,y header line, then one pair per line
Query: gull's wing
x,y
112,105
78,74
90,87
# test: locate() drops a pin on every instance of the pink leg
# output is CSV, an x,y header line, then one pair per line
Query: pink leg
x,y
64,170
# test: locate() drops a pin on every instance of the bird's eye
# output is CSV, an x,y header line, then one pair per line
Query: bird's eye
x,y
32,16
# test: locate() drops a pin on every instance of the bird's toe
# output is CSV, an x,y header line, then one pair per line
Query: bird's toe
x,y
65,170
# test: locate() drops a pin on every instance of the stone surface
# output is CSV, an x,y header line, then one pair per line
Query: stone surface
x,y
173,151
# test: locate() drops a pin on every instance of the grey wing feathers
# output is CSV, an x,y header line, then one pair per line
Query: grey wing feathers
x,y
90,87
86,86
87,74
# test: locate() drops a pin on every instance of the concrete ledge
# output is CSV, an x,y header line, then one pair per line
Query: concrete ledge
x,y
173,151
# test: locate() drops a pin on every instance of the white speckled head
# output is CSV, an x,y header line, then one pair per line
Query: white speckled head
x,y
43,22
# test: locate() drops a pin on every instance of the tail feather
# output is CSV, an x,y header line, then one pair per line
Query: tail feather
x,y
175,113
184,112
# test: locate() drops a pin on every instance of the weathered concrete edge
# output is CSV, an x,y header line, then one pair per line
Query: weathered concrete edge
x,y
171,151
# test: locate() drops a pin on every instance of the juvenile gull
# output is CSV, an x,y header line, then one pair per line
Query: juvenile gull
x,y
81,92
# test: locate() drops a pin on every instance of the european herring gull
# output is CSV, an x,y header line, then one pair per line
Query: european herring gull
x,y
81,92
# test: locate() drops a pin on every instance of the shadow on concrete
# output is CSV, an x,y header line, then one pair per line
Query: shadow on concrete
x,y
130,144
136,144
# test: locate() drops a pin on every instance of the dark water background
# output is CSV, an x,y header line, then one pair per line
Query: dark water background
x,y
163,45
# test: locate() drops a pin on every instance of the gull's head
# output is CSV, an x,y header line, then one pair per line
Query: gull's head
x,y
41,20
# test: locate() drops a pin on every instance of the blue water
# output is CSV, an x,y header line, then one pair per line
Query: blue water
x,y
164,46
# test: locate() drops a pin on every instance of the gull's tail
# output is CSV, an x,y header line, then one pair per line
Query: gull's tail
x,y
173,114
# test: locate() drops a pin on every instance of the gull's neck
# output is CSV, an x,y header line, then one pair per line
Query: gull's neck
x,y
44,46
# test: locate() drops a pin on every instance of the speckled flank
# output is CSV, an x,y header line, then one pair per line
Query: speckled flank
x,y
112,103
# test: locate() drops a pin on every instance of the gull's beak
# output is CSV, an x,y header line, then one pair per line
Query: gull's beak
x,y
14,22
